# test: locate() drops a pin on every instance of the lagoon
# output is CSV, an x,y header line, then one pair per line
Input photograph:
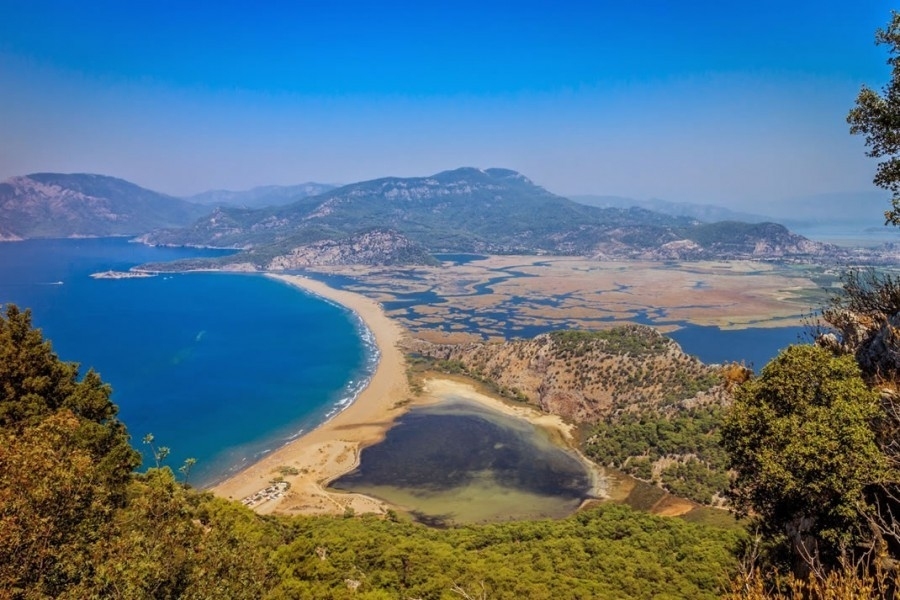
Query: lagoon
x,y
458,462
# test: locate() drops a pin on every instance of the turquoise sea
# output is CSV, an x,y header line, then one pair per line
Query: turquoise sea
x,y
219,367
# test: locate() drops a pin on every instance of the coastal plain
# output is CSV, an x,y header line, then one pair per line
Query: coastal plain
x,y
500,297
474,298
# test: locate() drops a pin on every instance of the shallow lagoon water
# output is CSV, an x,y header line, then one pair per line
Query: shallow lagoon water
x,y
458,462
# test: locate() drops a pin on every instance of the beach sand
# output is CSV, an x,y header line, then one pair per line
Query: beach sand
x,y
311,461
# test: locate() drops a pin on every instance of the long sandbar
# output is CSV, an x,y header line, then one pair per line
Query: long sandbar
x,y
333,448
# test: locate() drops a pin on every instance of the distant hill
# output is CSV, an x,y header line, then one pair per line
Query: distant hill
x,y
493,211
49,205
707,213
258,197
845,218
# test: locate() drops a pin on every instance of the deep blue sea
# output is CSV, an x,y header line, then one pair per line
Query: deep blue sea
x,y
218,367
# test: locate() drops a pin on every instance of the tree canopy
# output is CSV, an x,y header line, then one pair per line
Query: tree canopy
x,y
877,117
802,443
75,520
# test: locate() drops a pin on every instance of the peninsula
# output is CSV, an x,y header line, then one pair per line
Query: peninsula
x,y
122,275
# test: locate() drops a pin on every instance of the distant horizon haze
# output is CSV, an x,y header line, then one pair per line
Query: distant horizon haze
x,y
697,102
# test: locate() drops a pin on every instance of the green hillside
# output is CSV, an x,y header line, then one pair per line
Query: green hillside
x,y
491,211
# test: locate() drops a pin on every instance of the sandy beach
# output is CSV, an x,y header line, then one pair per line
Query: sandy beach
x,y
332,449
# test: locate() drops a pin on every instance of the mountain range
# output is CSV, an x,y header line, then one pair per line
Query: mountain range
x,y
391,220
491,211
464,210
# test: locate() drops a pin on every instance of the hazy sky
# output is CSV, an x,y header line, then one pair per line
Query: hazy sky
x,y
719,101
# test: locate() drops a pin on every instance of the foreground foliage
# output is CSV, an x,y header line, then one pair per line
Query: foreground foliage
x,y
802,443
609,552
846,583
815,439
876,117
76,522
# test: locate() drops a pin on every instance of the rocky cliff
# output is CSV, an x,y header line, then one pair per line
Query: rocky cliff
x,y
375,247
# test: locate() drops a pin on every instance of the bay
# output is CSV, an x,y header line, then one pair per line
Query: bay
x,y
219,367
754,346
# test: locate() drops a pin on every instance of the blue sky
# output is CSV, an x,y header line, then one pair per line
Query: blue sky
x,y
721,102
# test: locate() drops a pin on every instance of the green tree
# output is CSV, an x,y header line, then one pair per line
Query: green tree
x,y
877,117
35,383
65,462
170,542
76,522
815,449
802,443
53,508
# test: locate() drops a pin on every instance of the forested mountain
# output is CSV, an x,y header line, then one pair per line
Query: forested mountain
x,y
59,205
494,211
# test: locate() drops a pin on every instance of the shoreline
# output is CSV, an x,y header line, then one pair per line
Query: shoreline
x,y
332,449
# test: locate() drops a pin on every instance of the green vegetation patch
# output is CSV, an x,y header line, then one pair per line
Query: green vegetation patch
x,y
639,443
636,340
608,552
